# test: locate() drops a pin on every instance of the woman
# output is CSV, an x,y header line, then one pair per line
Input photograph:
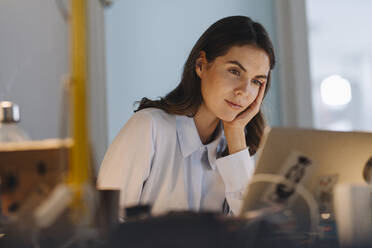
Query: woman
x,y
191,149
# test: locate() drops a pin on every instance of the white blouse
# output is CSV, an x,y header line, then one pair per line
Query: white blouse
x,y
159,159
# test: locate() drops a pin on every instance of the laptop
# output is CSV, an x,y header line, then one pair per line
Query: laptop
x,y
294,164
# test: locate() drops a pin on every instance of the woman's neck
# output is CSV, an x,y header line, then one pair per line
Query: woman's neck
x,y
206,124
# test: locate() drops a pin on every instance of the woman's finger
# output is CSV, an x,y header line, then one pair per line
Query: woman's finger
x,y
254,108
258,101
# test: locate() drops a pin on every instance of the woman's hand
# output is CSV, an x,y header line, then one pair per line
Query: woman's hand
x,y
234,130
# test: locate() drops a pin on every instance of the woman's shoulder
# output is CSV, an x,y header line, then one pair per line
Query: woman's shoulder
x,y
156,116
150,122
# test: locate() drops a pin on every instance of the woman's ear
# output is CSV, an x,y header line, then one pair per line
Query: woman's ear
x,y
200,63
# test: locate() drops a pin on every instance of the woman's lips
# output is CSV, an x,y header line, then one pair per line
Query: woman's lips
x,y
233,105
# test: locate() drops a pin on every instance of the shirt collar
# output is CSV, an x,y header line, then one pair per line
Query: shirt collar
x,y
189,138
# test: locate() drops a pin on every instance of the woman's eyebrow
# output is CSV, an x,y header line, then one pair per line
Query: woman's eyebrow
x,y
236,63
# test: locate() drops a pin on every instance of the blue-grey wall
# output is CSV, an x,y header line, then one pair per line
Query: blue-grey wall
x,y
147,43
33,60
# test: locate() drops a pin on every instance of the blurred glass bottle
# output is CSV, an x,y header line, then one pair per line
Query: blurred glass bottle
x,y
9,123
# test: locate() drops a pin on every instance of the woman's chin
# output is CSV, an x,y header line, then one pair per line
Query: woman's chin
x,y
227,118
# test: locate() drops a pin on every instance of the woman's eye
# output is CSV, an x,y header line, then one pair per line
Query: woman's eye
x,y
257,82
234,72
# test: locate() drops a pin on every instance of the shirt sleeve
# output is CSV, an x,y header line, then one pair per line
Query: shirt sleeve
x,y
127,163
236,170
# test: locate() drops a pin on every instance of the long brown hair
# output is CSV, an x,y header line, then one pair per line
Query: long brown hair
x,y
186,98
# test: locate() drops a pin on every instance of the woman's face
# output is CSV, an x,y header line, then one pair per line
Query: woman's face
x,y
231,82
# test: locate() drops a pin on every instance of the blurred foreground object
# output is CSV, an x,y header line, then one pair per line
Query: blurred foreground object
x,y
9,119
208,229
353,209
48,197
29,170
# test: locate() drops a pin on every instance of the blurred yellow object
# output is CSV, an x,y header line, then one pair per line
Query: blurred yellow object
x,y
80,162
80,169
